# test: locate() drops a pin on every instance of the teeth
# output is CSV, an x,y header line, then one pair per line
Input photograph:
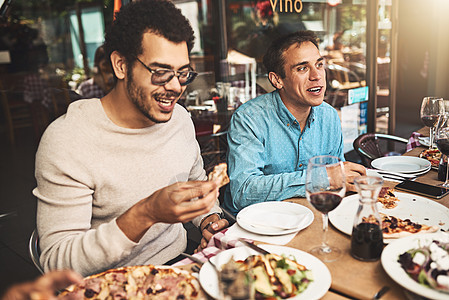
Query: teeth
x,y
164,102
314,90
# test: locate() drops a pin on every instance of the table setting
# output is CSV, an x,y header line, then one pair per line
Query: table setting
x,y
287,250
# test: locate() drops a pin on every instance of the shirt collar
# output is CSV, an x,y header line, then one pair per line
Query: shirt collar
x,y
285,115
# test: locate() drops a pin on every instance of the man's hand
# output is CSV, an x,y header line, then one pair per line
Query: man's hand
x,y
210,226
352,171
44,287
178,203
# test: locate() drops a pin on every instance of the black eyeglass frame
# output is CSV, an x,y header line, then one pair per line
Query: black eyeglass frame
x,y
191,75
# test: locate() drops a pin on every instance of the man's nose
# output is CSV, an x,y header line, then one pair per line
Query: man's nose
x,y
315,74
174,85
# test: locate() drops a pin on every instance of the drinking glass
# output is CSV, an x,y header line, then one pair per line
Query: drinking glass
x,y
325,188
431,107
442,140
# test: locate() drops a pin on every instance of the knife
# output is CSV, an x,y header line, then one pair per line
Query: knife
x,y
254,246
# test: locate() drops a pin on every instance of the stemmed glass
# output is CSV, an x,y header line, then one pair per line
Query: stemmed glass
x,y
431,107
442,140
325,188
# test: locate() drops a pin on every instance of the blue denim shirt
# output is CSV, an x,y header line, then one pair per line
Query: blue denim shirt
x,y
268,154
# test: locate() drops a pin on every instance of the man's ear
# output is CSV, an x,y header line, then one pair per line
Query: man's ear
x,y
275,80
118,64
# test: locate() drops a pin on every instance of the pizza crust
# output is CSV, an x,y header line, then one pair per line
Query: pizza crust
x,y
219,175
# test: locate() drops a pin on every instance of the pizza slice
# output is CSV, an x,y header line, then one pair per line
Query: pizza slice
x,y
394,227
387,198
219,174
432,155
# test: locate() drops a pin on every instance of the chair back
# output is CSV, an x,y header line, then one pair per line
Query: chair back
x,y
33,249
370,146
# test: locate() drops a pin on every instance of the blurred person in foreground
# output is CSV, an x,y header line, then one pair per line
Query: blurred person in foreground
x,y
117,176
272,137
103,79
44,287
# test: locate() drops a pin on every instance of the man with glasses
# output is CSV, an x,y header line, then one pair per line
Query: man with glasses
x,y
117,176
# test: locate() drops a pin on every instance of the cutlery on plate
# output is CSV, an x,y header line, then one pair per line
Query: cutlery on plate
x,y
395,174
253,246
381,292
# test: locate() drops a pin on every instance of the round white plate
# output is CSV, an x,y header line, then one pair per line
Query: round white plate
x,y
416,208
280,207
401,164
390,263
316,289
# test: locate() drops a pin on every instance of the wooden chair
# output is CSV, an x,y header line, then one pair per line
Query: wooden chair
x,y
370,146
17,113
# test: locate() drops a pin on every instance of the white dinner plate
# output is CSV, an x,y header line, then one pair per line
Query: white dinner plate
x,y
389,260
266,210
316,289
401,164
416,208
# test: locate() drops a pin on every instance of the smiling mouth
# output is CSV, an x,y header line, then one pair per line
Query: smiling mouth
x,y
315,89
165,102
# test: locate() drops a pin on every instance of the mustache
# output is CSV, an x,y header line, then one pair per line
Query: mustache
x,y
167,95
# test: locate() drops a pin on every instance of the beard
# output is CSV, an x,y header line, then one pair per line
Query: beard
x,y
138,97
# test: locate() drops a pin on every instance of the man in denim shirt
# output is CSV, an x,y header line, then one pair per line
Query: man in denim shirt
x,y
272,137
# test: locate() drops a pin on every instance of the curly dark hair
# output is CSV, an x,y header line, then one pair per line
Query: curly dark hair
x,y
274,59
134,19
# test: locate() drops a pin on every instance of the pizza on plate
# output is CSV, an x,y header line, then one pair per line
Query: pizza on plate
x,y
137,282
219,174
387,198
394,227
432,155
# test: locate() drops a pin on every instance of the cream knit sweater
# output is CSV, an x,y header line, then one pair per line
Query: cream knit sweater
x,y
89,171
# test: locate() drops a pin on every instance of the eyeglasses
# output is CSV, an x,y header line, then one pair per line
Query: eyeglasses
x,y
163,76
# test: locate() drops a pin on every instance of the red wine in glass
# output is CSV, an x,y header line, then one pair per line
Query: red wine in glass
x,y
325,201
443,145
429,120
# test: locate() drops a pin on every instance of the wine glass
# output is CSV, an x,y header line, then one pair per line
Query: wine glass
x,y
431,107
442,140
325,187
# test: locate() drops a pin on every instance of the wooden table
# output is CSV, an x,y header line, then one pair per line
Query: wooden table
x,y
351,277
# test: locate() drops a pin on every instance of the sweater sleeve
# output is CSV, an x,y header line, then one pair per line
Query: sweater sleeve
x,y
65,200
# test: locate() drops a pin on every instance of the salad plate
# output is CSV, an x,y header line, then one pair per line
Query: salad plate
x,y
390,256
315,290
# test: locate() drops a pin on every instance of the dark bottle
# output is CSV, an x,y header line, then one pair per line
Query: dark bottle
x,y
367,242
367,238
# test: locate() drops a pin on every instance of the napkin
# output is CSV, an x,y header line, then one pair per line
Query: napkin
x,y
263,218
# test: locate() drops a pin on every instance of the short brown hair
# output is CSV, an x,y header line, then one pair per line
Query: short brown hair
x,y
274,60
